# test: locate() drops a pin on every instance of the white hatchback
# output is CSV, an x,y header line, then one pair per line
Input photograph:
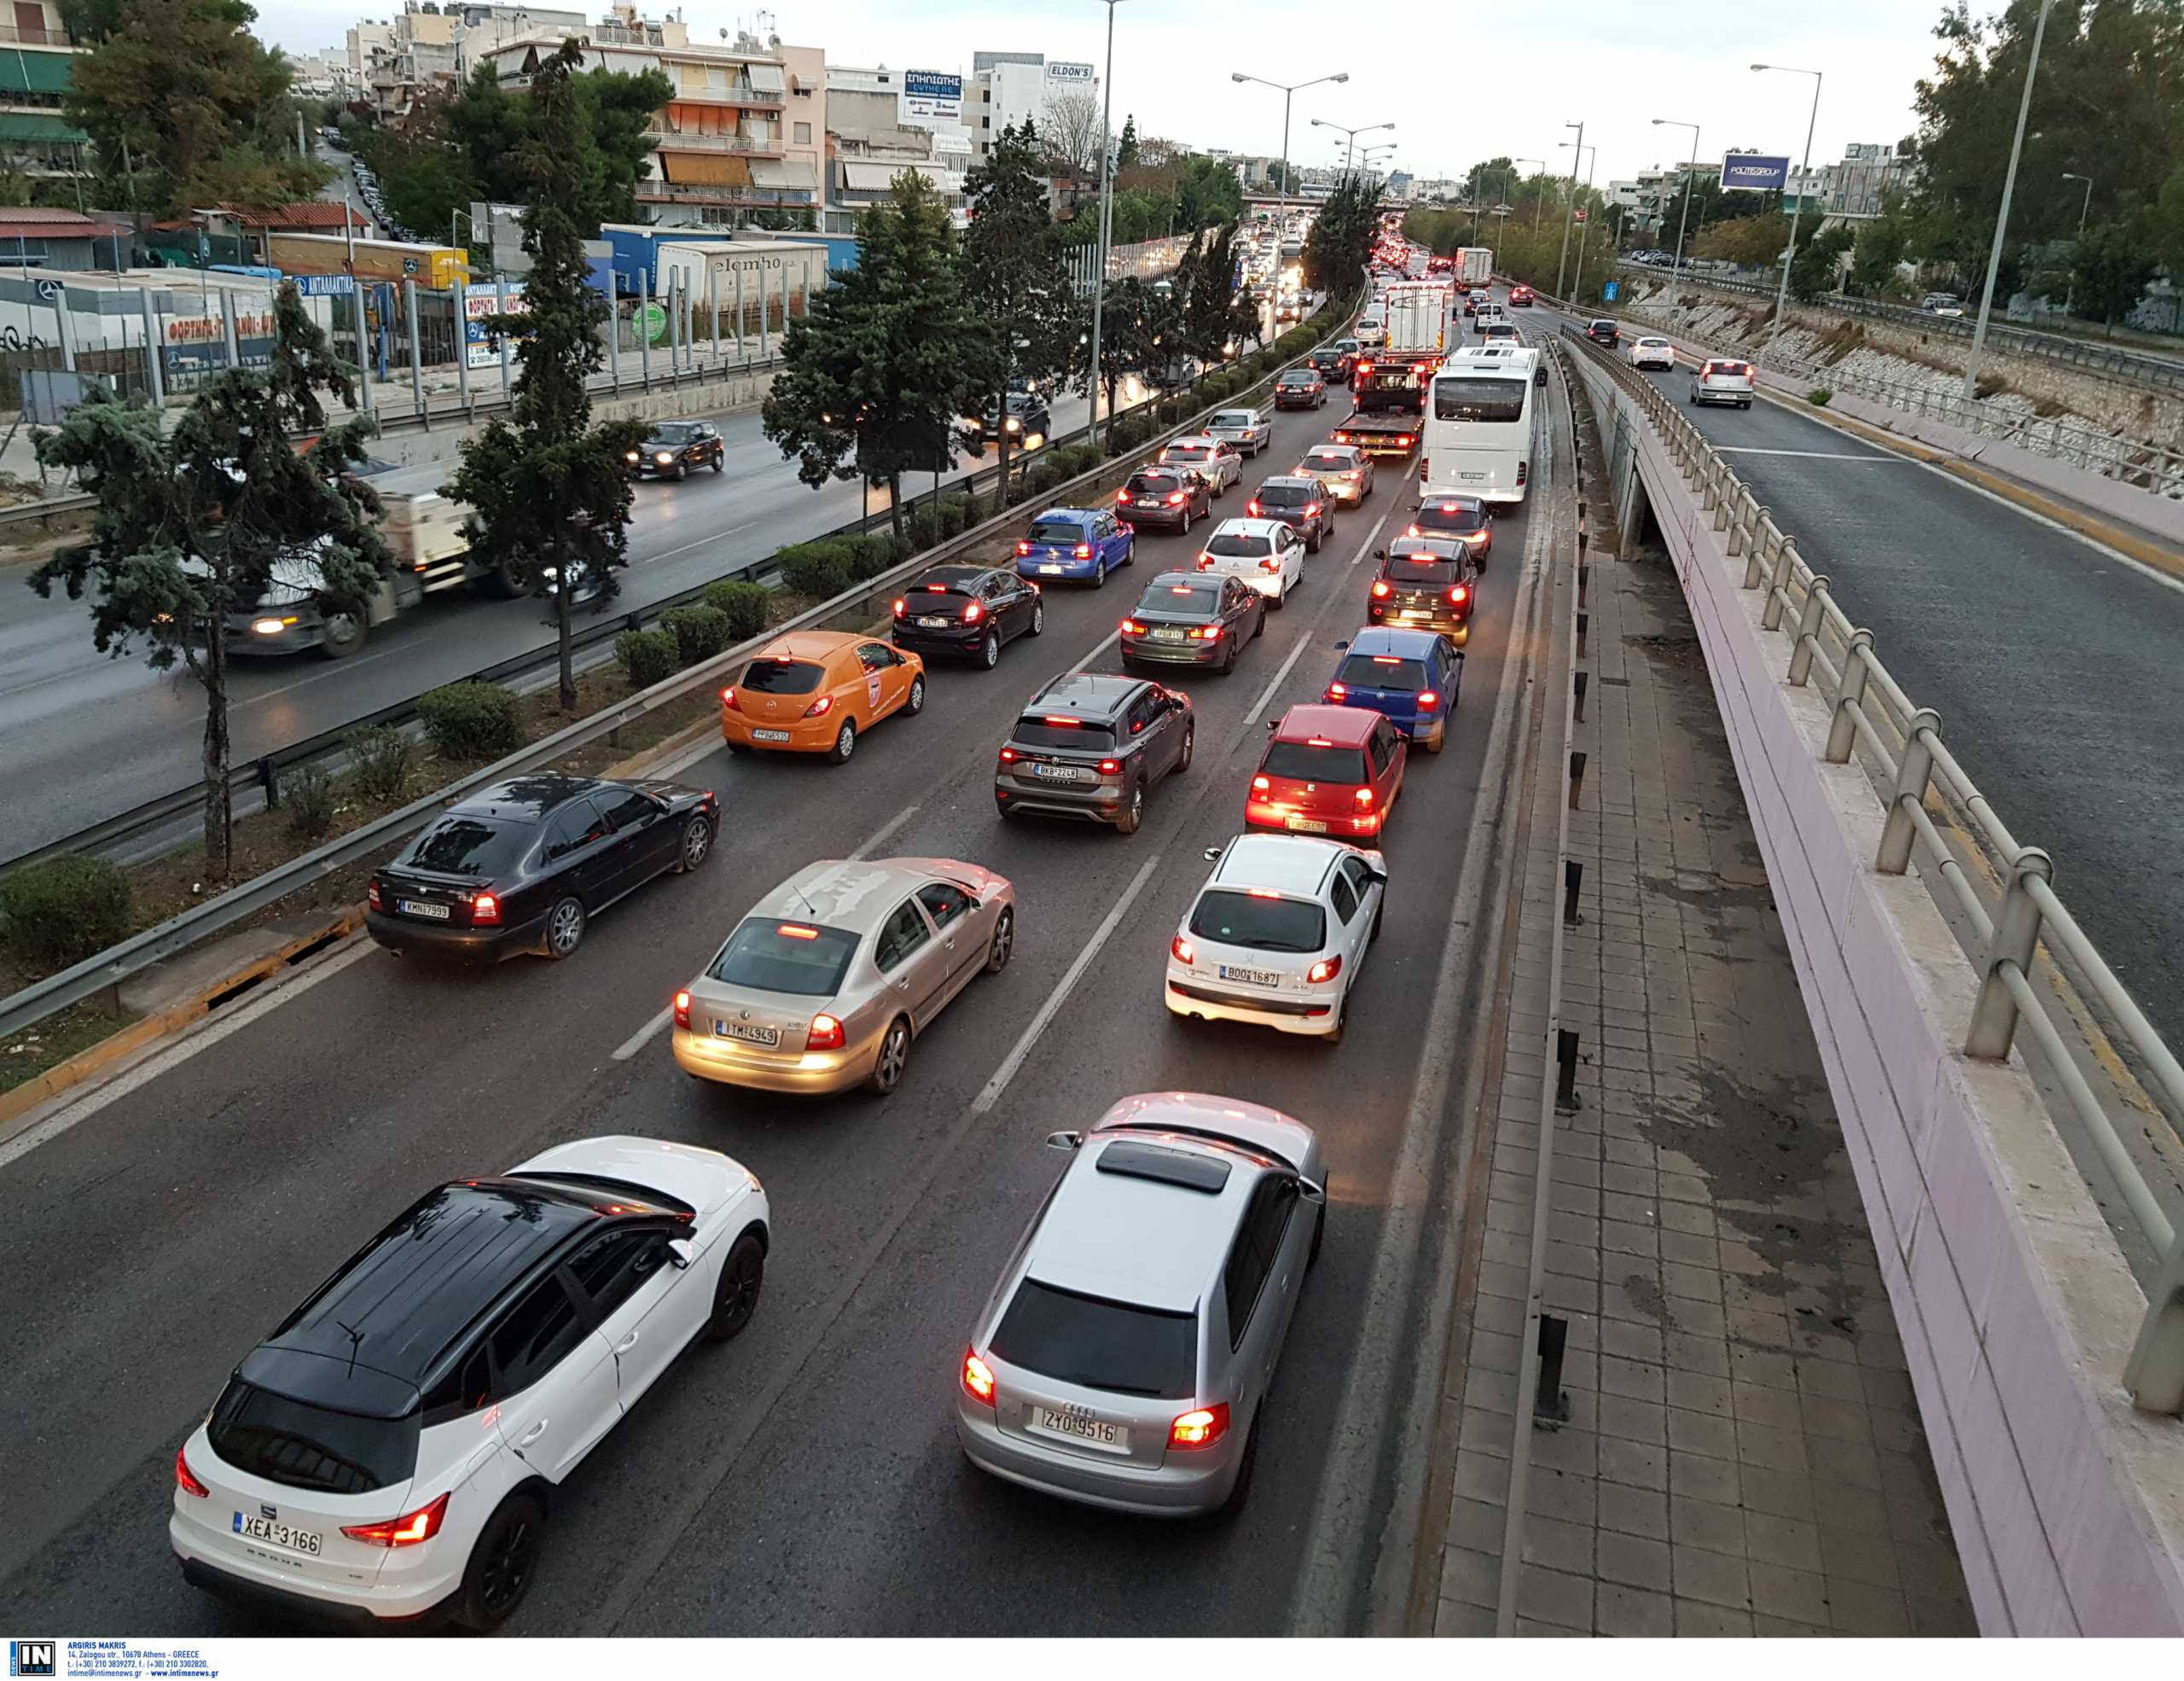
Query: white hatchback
x,y
1720,380
1651,352
1278,933
1266,554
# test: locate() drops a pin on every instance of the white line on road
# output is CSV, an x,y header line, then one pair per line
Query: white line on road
x,y
1280,672
872,841
1022,1049
1096,650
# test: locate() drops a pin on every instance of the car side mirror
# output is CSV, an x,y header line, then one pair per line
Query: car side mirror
x,y
1312,1190
1457,654
1379,554
1272,724
682,1253
1213,854
1064,1141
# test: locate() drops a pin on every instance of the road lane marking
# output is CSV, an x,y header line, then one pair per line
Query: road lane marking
x,y
986,1099
885,829
1805,455
1279,672
1096,650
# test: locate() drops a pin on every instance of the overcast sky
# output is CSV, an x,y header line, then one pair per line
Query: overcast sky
x,y
1509,75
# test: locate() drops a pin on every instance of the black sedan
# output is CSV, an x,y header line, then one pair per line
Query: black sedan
x,y
1164,498
1192,619
1028,420
1464,518
1333,363
676,449
1604,332
969,612
1425,584
1300,388
1305,505
524,865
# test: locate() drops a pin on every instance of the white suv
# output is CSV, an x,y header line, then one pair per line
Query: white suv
x,y
1719,380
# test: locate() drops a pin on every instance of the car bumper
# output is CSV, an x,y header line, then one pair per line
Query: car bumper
x,y
652,469
1307,1017
1347,490
1364,828
1659,363
1174,653
810,735
300,637
428,939
1190,1490
1154,519
242,1581
1095,805
813,1074
965,640
1044,566
1299,399
1701,395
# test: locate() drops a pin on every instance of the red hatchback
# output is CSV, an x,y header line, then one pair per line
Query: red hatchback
x,y
1332,771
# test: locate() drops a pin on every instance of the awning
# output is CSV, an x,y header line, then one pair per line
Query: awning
x,y
878,177
21,127
22,72
767,78
778,173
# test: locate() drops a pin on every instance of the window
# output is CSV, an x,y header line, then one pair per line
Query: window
x,y
944,902
1144,712
1236,918
1346,900
1102,1345
1066,533
877,656
626,807
1470,396
1376,751
802,134
1243,543
574,828
1259,1242
536,1336
465,845
267,1435
1302,762
769,956
467,1387
1058,730
1382,671
612,1268
903,934
781,677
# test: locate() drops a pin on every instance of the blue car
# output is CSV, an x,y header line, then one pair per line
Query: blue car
x,y
1410,677
1087,542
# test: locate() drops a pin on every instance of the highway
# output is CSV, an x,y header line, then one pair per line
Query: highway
x,y
804,1480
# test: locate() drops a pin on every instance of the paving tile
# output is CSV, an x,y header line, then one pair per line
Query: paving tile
x,y
1698,1476
1791,1543
1555,1596
1687,1351
1930,1571
1560,1545
1482,1476
1471,1577
1757,1404
1770,1449
1477,1524
1634,1463
1949,1619
1639,1511
1801,1595
1487,1430
1566,1449
1493,1389
1564,1496
1829,1380
1835,1462
1634,1420
1767,1366
1848,1556
1702,1432
1857,1607
1846,1421
1630,1378
1781,1628
1634,1561
1455,1621
1628,1340
1632,1613
1698,1391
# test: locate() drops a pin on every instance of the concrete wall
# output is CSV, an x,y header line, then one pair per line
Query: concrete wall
x,y
2016,1309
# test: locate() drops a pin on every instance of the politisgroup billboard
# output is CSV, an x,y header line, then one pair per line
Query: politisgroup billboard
x,y
1749,172
932,96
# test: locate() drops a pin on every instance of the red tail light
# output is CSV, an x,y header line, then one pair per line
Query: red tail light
x,y
1132,628
406,1531
1336,691
1363,796
820,707
185,1478
682,1011
1406,440
371,894
1184,951
1109,767
1176,498
1261,785
1424,464
1206,563
1023,548
1522,467
1326,970
1310,509
1427,699
1200,1428
1122,495
978,1378
728,702
1382,588
484,910
1253,508
901,607
1459,593
825,1034
973,613
1008,755
1269,564
1207,633
1082,551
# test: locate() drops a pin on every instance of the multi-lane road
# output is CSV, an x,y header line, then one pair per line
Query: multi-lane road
x,y
805,1479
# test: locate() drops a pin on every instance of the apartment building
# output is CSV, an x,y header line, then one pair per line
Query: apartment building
x,y
875,128
35,137
1005,89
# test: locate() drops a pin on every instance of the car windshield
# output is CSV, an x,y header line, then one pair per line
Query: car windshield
x,y
1058,730
1190,600
1262,923
1099,1344
1382,671
1475,396
263,1434
1057,531
673,434
781,676
770,956
1238,542
1310,762
1283,495
461,845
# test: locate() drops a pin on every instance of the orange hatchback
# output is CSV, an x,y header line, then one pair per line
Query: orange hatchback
x,y
817,691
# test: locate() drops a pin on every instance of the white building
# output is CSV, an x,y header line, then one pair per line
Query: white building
x,y
1004,89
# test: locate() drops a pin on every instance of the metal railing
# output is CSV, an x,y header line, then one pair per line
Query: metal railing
x,y
676,140
1901,744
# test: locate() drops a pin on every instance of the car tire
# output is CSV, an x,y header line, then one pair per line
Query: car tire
x,y
845,742
1133,814
1186,531
913,702
720,461
503,1560
344,634
1038,618
1438,739
1333,1034
682,471
1228,664
1312,543
697,846
989,650
1190,746
565,926
894,1058
1281,599
1002,945
735,1295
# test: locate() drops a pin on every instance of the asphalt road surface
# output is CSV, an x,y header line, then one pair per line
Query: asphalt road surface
x,y
805,1479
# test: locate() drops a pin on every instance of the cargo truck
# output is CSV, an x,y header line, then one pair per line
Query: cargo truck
x,y
1474,265
1388,382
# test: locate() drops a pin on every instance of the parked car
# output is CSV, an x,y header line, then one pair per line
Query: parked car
x,y
1303,504
674,449
1266,555
1327,770
1409,677
818,691
1220,463
834,974
1343,469
1185,620
386,1456
1718,380
1195,1219
1165,497
1084,543
1300,388
967,611
1427,583
523,866
1604,331
1090,744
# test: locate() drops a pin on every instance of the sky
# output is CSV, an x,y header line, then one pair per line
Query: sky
x,y
1509,75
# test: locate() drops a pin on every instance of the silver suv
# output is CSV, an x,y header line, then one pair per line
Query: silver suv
x,y
1122,1360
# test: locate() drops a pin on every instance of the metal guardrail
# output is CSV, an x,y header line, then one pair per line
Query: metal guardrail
x,y
110,967
1904,741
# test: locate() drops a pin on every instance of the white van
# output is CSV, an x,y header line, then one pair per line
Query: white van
x,y
1477,439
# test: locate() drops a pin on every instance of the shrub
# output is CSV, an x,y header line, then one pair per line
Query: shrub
x,y
744,604
471,720
383,760
699,632
646,657
308,793
1819,397
924,527
869,555
816,569
956,514
65,910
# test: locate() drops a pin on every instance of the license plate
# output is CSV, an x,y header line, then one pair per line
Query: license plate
x,y
410,907
769,735
1075,1421
1148,502
1471,475
1307,825
1414,613
304,1541
1053,568
932,621
748,1033
1168,633
1058,773
1255,977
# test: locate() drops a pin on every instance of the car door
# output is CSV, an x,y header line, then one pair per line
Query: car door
x,y
647,1308
555,1377
1348,924
913,960
1142,723
1253,1284
645,839
1290,547
1241,602
894,672
578,854
1396,755
948,907
1364,882
1113,540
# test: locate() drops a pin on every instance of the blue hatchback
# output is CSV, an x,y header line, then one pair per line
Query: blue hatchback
x,y
1087,542
1409,676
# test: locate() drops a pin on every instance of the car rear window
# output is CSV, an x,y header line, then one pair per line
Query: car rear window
x,y
267,1435
1188,451
1237,543
1099,1344
1281,495
1471,397
1303,762
1184,598
1445,516
1327,462
1382,671
461,845
1264,924
1420,569
1736,369
1034,730
771,955
1056,530
782,677
1234,420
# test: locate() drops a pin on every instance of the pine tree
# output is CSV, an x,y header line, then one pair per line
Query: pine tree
x,y
1126,144
1014,279
190,526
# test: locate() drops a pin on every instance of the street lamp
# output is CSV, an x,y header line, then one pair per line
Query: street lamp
x,y
2070,291
1287,89
1577,281
1567,214
2002,220
1106,221
1690,175
1804,177
1320,122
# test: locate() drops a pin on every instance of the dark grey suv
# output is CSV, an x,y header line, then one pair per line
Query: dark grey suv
x,y
1090,744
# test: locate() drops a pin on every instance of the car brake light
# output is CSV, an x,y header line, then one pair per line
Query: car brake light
x,y
1253,508
1261,785
1023,548
1109,767
1207,633
796,931
901,607
184,1477
1336,691
825,1034
1200,1428
973,613
1184,951
1131,628
406,1531
371,893
682,1009
1326,970
1382,588
1521,467
1427,699
485,909
1008,755
1269,564
1363,796
1176,498
1458,594
820,707
1122,495
978,1377
1082,551
1310,509
728,702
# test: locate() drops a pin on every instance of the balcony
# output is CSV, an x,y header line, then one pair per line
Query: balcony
x,y
14,35
666,192
670,140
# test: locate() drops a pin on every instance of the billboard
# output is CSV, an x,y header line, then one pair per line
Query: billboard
x,y
932,96
1060,75
482,349
1749,172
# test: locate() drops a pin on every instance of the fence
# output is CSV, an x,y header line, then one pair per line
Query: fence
x,y
1900,745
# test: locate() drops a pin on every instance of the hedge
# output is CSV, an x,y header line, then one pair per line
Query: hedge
x,y
646,657
471,720
699,632
744,603
819,570
66,910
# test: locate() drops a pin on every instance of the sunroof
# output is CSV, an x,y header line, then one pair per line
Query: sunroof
x,y
1184,1168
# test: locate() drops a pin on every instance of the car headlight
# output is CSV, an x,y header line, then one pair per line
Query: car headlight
x,y
1015,424
270,627
663,457
633,455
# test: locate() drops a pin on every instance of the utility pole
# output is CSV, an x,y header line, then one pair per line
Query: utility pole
x,y
1569,214
2002,219
1107,224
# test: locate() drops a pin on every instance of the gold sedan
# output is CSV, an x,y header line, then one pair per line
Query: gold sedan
x,y
834,973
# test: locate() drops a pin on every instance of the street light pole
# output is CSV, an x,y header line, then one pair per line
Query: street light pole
x,y
1804,182
2069,291
1690,175
1106,211
1577,280
1349,160
1286,91
1567,215
2002,220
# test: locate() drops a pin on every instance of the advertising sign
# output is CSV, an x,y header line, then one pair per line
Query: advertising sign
x,y
932,96
1749,172
481,349
1071,75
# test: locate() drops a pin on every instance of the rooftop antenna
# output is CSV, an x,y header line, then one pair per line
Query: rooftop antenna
x,y
356,1340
